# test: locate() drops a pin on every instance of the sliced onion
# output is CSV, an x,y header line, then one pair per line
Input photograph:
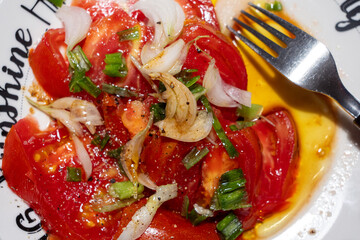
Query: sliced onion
x,y
222,94
64,117
203,211
131,153
226,10
167,60
86,113
199,130
83,156
71,112
145,180
167,17
186,107
77,22
143,217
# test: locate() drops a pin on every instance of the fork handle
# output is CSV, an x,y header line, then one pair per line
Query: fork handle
x,y
348,102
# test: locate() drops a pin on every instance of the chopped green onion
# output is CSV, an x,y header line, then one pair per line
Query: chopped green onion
x,y
192,81
73,85
101,142
197,90
73,174
185,207
117,205
194,156
115,153
119,91
241,125
129,34
124,190
232,175
276,6
80,64
57,3
185,77
233,128
231,193
230,227
232,200
231,150
159,111
196,218
115,65
78,60
249,113
86,84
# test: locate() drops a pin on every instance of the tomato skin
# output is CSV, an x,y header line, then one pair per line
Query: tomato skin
x,y
227,58
279,147
50,68
162,160
42,183
200,10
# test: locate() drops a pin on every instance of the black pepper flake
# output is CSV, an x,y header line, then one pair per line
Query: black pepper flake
x,y
159,198
163,130
159,22
112,180
198,50
187,103
90,179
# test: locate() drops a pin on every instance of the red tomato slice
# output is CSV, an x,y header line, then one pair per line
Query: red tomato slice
x,y
227,58
279,166
202,10
96,8
49,66
162,160
41,158
169,225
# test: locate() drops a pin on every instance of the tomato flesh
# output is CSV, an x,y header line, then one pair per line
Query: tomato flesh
x,y
49,66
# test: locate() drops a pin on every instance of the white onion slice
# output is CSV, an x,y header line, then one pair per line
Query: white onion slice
x,y
167,60
77,22
203,211
64,117
199,130
167,17
131,154
71,112
145,180
222,94
83,156
226,10
143,217
186,107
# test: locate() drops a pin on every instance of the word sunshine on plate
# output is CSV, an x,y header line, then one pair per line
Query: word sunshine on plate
x,y
12,82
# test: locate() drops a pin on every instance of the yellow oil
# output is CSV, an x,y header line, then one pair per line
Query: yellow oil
x,y
315,122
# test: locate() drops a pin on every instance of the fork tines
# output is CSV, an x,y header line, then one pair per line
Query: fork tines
x,y
271,44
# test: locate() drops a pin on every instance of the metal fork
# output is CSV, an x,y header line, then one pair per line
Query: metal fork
x,y
304,61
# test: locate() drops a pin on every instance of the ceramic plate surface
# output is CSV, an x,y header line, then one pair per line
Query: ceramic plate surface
x,y
333,213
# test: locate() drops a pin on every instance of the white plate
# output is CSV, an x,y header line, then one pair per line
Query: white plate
x,y
334,211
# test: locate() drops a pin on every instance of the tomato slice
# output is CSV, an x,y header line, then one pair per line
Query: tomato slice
x,y
227,58
279,150
162,160
202,10
49,66
41,158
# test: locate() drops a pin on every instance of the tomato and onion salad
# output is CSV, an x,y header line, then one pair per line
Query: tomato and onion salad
x,y
38,164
